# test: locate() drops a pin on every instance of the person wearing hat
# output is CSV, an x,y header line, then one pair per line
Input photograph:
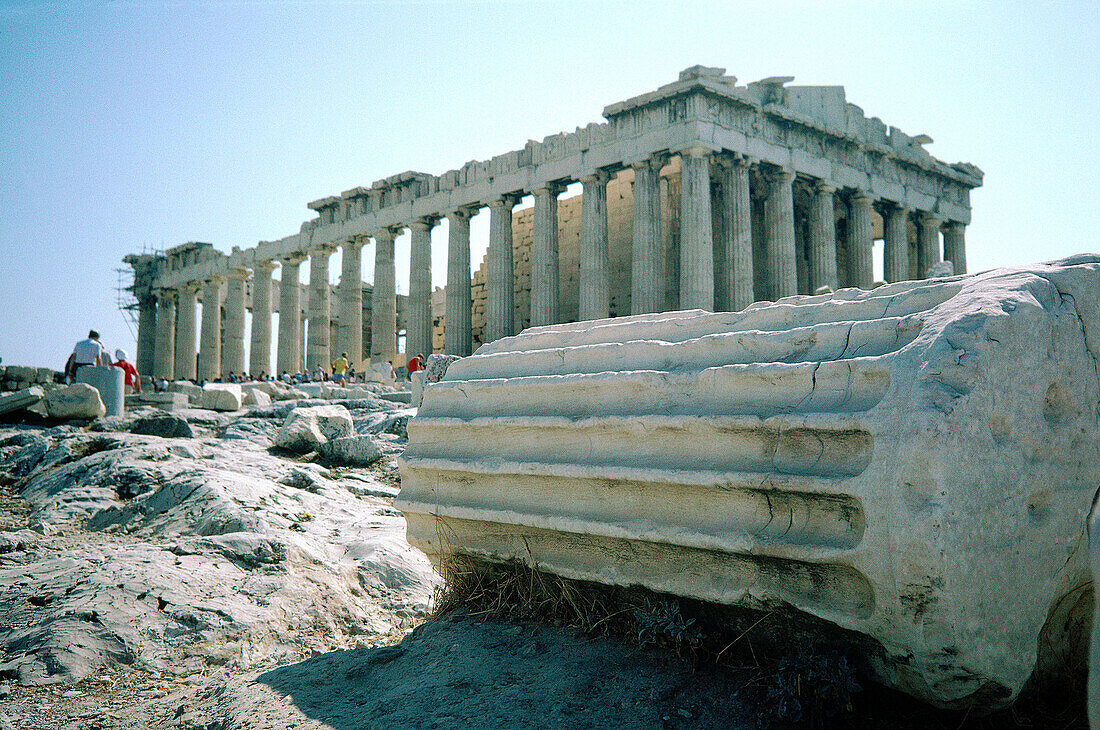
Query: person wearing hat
x,y
89,352
133,381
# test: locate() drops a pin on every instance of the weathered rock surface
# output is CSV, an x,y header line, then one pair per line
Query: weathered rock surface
x,y
165,425
914,463
352,450
221,396
308,428
192,391
256,397
20,399
181,555
78,400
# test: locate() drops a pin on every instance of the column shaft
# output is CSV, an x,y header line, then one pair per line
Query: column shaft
x,y
185,332
594,298
737,234
210,349
418,330
164,360
146,334
860,242
544,257
696,235
822,238
646,288
259,355
896,244
928,233
954,245
779,235
318,353
233,349
350,294
457,334
383,324
500,306
289,359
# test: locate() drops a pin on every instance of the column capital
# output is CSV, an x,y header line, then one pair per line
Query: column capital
x,y
698,149
165,295
385,234
654,161
824,187
263,266
951,225
190,287
548,188
504,201
861,195
238,273
215,279
781,174
464,213
599,176
323,249
292,259
426,223
928,218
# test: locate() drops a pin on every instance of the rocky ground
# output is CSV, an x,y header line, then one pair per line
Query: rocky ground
x,y
154,579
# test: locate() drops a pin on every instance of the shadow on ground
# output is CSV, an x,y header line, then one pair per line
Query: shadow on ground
x,y
466,671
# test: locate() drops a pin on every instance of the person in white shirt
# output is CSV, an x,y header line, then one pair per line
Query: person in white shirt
x,y
90,352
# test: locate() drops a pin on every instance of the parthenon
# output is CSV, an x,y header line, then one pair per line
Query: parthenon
x,y
729,195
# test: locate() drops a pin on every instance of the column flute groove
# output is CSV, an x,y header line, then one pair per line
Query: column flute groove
x,y
696,234
418,332
259,354
383,326
896,244
594,299
544,257
860,241
822,238
647,268
164,358
779,235
457,333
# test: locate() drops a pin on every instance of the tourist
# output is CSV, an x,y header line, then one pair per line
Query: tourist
x,y
89,352
132,379
417,363
339,366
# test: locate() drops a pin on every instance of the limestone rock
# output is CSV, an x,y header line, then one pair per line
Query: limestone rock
x,y
78,400
221,396
164,425
915,464
352,450
436,367
308,428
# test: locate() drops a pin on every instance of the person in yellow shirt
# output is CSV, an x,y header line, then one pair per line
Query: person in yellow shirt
x,y
339,365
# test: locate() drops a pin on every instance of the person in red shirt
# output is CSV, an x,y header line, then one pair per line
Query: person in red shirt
x,y
417,363
132,379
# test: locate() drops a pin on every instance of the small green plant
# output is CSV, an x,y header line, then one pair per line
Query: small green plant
x,y
661,623
808,690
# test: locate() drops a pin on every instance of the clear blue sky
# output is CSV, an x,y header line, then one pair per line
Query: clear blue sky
x,y
126,125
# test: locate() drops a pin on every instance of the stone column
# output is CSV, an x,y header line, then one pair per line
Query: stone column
x,y
737,234
647,292
954,245
544,256
233,348
259,356
320,309
457,334
595,277
289,358
696,235
164,359
210,343
185,332
418,327
779,235
861,272
928,233
500,302
146,334
350,295
896,244
383,320
822,238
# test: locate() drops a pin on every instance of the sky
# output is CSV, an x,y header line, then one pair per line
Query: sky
x,y
131,126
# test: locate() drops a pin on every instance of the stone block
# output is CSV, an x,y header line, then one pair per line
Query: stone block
x,y
256,397
221,396
164,425
44,375
436,367
914,464
192,391
309,427
78,400
20,373
166,401
20,400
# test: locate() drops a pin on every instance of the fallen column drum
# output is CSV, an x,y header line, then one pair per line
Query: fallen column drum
x,y
914,463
